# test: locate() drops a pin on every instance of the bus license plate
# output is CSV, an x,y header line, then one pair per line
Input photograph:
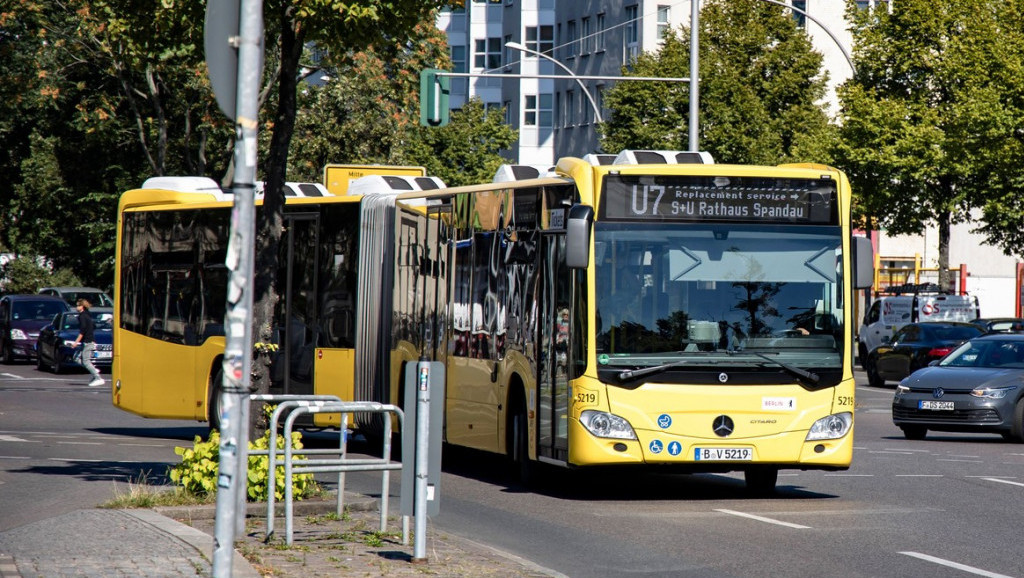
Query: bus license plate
x,y
940,405
723,454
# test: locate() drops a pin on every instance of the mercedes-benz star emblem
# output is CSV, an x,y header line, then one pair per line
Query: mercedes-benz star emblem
x,y
723,377
938,392
722,426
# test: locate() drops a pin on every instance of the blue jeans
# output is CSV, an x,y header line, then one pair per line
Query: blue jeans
x,y
87,349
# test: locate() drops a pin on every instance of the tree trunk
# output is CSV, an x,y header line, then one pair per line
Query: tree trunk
x,y
270,220
945,277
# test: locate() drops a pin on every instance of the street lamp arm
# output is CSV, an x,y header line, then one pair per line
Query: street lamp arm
x,y
583,87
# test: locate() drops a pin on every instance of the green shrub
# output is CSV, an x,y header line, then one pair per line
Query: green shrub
x,y
199,466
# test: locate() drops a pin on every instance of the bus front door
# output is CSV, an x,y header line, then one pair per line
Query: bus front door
x,y
553,381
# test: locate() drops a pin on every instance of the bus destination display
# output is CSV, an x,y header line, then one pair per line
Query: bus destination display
x,y
737,199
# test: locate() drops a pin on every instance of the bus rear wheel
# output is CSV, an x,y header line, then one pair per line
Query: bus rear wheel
x,y
213,405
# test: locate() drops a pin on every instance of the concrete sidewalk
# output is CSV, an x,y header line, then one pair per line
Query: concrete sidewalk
x,y
177,542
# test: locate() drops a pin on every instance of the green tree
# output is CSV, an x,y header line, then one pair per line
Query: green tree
x,y
465,151
25,274
760,84
367,109
932,118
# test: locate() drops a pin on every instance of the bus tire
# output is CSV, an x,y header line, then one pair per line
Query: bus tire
x,y
213,404
525,468
761,480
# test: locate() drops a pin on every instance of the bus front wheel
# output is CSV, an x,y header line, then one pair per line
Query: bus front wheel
x,y
525,467
761,481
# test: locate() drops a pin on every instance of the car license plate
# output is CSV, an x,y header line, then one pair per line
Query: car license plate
x,y
939,405
101,354
723,454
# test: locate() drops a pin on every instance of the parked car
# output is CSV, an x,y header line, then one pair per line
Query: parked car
x,y
1001,324
101,302
976,388
914,346
21,318
56,348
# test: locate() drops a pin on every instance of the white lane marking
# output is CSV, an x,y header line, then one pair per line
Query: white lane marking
x,y
763,519
849,475
962,461
1004,481
919,475
11,376
889,452
955,565
5,438
15,458
72,460
82,444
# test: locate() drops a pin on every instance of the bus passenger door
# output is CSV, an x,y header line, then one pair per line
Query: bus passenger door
x,y
553,339
297,306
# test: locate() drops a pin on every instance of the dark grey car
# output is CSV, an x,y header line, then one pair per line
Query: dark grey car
x,y
978,387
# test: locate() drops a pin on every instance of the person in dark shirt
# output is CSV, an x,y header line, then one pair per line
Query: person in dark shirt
x,y
87,338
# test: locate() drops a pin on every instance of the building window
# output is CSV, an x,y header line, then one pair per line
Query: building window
x,y
799,17
571,38
632,34
458,54
508,112
586,37
868,4
570,108
488,53
541,39
663,24
599,37
537,110
584,108
508,55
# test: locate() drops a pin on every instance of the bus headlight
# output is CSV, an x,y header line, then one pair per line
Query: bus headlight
x,y
832,427
607,425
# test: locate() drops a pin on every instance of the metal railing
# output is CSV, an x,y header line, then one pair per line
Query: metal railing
x,y
292,406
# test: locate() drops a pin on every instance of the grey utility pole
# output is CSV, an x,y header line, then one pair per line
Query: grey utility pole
x,y
237,363
694,74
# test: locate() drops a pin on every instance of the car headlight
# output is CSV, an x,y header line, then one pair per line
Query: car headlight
x,y
902,390
18,334
607,425
831,427
992,392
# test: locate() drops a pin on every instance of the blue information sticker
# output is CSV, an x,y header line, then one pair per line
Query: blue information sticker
x,y
656,447
675,448
664,421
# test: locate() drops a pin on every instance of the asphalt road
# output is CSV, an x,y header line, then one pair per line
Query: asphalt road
x,y
946,506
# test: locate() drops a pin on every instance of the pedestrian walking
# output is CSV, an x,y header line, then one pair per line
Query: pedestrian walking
x,y
87,338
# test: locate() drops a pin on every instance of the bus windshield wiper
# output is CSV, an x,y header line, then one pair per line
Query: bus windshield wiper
x,y
635,373
810,377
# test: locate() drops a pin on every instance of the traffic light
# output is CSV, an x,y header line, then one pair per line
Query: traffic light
x,y
434,92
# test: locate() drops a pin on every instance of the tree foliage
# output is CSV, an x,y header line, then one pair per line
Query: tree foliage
x,y
932,119
465,151
760,82
26,274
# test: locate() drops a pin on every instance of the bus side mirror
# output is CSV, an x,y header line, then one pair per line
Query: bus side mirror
x,y
863,263
577,236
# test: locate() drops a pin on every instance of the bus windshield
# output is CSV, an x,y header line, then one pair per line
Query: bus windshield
x,y
718,294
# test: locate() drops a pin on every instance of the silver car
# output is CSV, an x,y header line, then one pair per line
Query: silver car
x,y
978,387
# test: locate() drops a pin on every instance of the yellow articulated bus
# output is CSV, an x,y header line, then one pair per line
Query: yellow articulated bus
x,y
680,314
652,309
170,293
